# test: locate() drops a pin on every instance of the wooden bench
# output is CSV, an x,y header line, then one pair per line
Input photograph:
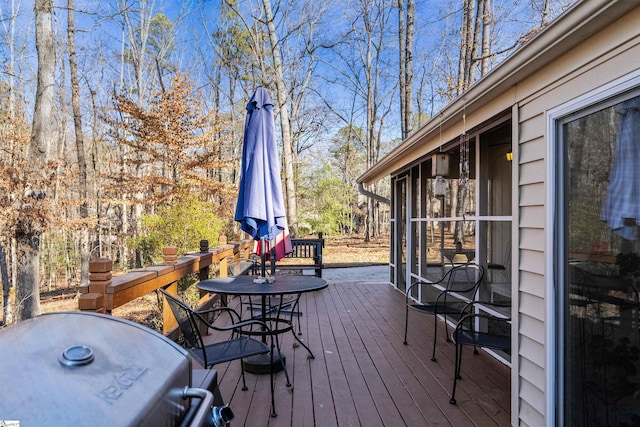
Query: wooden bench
x,y
306,255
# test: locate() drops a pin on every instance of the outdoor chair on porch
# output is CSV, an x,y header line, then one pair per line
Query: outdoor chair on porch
x,y
446,297
238,346
494,337
500,269
238,266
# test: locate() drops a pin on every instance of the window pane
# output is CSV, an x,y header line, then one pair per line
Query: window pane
x,y
602,311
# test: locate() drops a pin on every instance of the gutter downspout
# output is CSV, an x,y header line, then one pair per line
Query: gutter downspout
x,y
374,196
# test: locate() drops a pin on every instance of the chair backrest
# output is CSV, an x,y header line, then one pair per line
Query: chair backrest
x,y
240,266
465,280
186,321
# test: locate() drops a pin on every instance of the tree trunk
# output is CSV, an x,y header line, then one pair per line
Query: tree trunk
x,y
288,151
4,279
462,61
486,36
402,38
28,289
408,68
544,14
475,41
41,149
82,162
405,35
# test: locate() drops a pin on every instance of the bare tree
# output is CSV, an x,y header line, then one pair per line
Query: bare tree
x,y
285,124
41,150
227,71
294,38
7,267
83,209
543,10
406,19
362,62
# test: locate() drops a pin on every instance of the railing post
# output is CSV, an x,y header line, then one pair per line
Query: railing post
x,y
203,273
170,254
168,320
223,268
223,264
99,279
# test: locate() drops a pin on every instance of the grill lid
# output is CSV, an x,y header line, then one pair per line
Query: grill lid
x,y
81,368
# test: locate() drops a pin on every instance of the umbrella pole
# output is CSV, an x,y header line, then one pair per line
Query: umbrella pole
x,y
263,255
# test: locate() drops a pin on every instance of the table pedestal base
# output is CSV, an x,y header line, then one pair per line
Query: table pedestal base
x,y
261,363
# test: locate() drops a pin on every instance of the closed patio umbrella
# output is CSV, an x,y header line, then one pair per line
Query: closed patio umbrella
x,y
260,207
621,209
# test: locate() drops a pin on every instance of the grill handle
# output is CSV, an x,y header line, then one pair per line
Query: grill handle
x,y
205,414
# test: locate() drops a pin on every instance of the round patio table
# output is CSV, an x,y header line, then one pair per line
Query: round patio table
x,y
286,284
244,285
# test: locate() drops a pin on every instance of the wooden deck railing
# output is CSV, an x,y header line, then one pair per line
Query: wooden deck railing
x,y
106,291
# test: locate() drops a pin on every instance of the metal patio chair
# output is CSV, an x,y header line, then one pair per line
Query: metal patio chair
x,y
452,292
239,346
501,268
252,265
466,333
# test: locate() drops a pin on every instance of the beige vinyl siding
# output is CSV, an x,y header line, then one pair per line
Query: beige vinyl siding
x,y
532,216
532,172
536,382
531,266
533,193
532,239
531,408
533,262
531,325
601,63
531,305
536,349
528,284
530,151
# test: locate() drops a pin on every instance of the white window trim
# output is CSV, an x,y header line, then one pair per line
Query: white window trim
x,y
591,98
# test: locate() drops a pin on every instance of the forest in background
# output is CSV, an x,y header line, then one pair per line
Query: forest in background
x,y
121,120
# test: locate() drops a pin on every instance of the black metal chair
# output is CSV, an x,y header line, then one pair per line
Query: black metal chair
x,y
500,268
239,346
452,292
279,306
239,266
465,333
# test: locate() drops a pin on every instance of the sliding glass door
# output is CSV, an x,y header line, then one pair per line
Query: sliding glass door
x,y
598,334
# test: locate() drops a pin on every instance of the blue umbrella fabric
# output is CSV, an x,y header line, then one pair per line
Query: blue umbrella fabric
x,y
621,209
260,208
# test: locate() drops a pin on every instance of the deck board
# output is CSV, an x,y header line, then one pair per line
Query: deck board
x,y
363,374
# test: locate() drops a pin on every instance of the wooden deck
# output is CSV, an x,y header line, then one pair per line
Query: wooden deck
x,y
363,375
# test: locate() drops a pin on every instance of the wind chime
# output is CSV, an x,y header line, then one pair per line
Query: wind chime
x,y
464,152
464,160
463,181
440,169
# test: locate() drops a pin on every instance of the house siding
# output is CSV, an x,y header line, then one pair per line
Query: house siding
x,y
528,284
611,53
531,150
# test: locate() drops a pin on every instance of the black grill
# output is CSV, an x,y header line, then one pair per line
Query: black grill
x,y
73,368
